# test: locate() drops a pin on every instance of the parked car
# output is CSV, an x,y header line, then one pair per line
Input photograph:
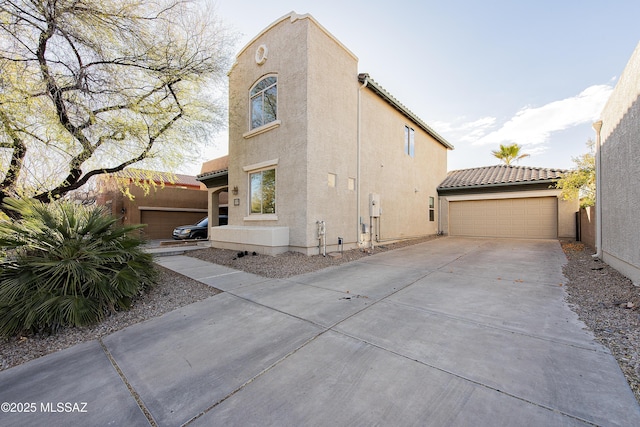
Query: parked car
x,y
200,230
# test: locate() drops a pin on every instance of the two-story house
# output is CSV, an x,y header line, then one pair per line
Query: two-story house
x,y
320,154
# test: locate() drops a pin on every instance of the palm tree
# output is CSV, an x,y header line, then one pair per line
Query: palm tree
x,y
509,153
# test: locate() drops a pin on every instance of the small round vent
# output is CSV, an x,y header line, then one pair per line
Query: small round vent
x,y
261,54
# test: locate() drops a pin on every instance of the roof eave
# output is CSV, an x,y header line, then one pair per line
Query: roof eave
x,y
499,184
382,93
210,175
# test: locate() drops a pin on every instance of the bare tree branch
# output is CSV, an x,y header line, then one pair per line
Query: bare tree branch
x,y
99,86
19,151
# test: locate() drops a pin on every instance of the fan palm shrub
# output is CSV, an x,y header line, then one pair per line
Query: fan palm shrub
x,y
64,264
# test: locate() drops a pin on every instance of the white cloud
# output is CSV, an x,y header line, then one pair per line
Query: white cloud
x,y
480,123
449,126
533,125
476,129
537,150
461,130
441,127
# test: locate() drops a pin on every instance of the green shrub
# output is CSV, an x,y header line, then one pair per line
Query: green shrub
x,y
64,264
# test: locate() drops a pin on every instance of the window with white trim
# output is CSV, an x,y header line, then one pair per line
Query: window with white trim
x,y
432,211
262,192
264,101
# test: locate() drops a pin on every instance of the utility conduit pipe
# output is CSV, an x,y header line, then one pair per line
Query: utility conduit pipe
x,y
359,144
322,241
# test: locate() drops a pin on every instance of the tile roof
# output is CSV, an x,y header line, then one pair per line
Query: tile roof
x,y
214,168
157,176
214,165
212,174
499,175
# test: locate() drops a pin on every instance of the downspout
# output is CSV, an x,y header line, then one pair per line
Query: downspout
x,y
597,126
439,232
359,144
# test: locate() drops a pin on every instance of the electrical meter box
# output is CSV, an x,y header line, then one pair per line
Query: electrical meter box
x,y
374,205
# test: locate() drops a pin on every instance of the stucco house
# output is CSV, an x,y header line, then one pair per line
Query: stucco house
x,y
506,201
320,155
172,200
214,176
618,174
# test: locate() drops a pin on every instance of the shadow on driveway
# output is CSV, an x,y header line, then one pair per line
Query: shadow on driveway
x,y
456,332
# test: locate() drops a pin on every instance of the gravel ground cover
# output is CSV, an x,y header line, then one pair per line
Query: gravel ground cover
x,y
290,263
605,301
173,290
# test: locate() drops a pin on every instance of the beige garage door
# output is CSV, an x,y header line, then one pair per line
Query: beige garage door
x,y
531,218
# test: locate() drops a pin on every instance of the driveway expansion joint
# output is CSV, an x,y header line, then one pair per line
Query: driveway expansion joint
x,y
324,330
470,380
600,349
455,348
255,377
132,391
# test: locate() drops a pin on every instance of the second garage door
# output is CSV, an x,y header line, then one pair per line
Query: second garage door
x,y
530,218
160,224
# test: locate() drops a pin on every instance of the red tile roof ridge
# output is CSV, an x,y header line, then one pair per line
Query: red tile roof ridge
x,y
499,174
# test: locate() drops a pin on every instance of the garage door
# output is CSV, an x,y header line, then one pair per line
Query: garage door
x,y
531,218
160,224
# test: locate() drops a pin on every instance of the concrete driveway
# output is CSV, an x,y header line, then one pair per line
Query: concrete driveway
x,y
452,332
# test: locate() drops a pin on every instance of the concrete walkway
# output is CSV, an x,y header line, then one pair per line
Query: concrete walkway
x,y
452,332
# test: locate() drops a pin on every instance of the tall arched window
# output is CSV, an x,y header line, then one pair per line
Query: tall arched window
x,y
264,102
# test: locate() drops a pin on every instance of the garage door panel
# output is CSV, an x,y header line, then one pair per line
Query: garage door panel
x,y
515,218
160,224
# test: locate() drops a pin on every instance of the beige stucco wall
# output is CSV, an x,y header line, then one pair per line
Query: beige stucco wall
x,y
404,183
287,58
331,139
620,173
316,135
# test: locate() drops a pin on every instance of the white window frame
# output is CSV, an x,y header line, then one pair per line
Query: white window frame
x,y
253,169
261,94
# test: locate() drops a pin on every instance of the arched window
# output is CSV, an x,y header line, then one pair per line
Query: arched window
x,y
264,102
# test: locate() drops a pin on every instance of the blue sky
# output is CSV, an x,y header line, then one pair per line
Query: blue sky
x,y
480,73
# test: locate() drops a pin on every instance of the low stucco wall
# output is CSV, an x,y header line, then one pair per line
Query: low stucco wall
x,y
263,240
588,226
567,218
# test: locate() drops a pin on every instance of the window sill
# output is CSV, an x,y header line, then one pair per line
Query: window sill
x,y
258,217
261,129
